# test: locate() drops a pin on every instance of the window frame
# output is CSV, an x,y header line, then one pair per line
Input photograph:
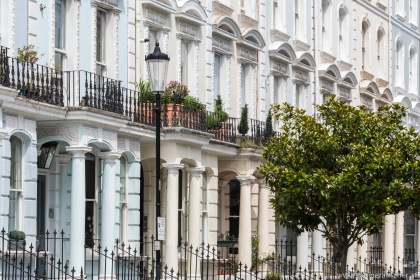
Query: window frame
x,y
123,198
16,144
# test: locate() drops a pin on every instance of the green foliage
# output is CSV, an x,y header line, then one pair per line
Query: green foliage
x,y
255,244
193,103
17,235
268,132
273,276
146,94
243,126
215,119
27,53
343,171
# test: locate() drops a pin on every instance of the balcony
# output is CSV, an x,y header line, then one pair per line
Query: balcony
x,y
81,88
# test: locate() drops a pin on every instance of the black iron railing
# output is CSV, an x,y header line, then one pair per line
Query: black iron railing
x,y
49,260
86,89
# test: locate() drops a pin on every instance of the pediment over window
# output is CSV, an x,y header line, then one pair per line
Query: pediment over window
x,y
386,94
349,78
227,27
329,72
282,51
404,101
165,6
369,87
253,39
191,11
304,61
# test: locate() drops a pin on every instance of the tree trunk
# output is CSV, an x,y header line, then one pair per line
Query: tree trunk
x,y
343,261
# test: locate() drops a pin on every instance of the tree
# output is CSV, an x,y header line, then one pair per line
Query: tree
x,y
342,172
268,132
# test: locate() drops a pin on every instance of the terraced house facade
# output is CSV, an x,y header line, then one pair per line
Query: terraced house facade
x,y
78,143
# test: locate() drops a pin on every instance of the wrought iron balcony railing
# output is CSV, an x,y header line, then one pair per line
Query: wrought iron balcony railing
x,y
81,88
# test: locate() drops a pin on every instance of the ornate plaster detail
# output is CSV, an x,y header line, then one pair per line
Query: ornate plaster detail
x,y
89,133
196,65
228,71
94,12
13,25
117,39
111,138
188,29
222,44
344,92
237,166
69,133
248,54
77,38
157,17
301,75
178,54
120,145
281,67
135,148
328,86
52,33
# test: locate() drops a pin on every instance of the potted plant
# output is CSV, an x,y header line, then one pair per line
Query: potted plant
x,y
215,119
268,132
243,126
16,240
193,104
273,276
174,92
145,93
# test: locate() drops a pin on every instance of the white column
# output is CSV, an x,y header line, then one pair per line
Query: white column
x,y
63,161
389,240
350,257
244,240
317,251
222,208
194,214
362,254
399,239
302,251
263,218
108,208
171,242
77,212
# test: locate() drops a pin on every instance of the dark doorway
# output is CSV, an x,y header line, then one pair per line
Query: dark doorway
x,y
40,213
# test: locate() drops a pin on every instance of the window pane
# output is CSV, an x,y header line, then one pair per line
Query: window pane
x,y
184,63
59,24
100,36
14,210
16,163
217,59
123,163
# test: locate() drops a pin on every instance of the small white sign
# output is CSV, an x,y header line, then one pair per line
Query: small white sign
x,y
157,245
160,228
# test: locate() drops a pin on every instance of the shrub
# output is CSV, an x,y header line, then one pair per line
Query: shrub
x,y
193,103
268,132
243,126
215,119
28,54
17,235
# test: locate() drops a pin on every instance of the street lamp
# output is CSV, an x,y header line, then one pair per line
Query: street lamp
x,y
157,64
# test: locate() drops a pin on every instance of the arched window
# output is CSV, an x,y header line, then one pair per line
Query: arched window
x,y
342,37
399,64
123,198
15,195
380,49
326,44
365,44
234,203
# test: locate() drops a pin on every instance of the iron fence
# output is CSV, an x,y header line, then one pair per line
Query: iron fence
x,y
48,259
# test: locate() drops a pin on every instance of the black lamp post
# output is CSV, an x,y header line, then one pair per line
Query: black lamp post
x,y
157,64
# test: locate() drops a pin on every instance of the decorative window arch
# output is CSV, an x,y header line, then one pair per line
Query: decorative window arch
x,y
399,62
365,44
380,50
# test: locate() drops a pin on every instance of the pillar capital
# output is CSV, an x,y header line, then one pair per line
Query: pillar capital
x,y
261,183
77,151
245,179
109,157
195,171
173,167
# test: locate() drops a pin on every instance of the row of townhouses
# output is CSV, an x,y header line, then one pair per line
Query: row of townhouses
x,y
77,140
